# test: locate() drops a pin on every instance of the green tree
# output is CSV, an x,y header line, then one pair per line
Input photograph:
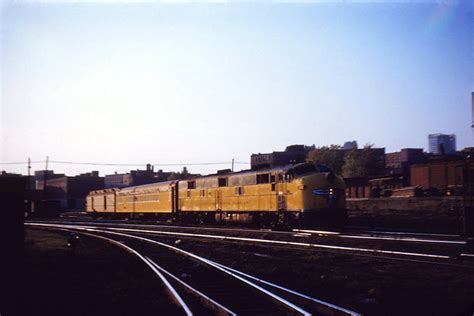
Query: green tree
x,y
360,162
331,156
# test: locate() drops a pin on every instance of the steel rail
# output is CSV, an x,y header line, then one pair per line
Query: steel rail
x,y
288,243
374,235
407,239
169,287
279,299
179,250
326,304
122,223
407,233
278,242
190,288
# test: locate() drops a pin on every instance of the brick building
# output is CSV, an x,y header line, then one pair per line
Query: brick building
x,y
135,177
365,187
42,175
293,154
438,175
379,155
399,163
70,192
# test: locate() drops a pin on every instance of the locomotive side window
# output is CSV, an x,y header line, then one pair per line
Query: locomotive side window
x,y
222,182
239,190
263,178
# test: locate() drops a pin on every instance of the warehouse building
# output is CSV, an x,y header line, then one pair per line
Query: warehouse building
x,y
293,154
69,193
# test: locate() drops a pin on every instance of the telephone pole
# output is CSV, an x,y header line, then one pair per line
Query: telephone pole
x,y
45,178
28,188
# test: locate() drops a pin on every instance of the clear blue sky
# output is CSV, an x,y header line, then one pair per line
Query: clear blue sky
x,y
172,83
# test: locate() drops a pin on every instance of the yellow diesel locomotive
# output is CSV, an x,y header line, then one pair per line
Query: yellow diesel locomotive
x,y
295,195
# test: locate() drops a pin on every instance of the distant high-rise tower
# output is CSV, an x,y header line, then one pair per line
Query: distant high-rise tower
x,y
442,142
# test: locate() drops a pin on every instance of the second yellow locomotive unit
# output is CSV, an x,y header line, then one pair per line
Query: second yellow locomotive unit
x,y
301,194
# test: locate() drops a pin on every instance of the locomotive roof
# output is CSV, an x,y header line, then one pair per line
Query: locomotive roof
x,y
265,170
149,185
248,171
218,175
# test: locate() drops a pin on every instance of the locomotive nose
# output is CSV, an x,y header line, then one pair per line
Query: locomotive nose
x,y
330,177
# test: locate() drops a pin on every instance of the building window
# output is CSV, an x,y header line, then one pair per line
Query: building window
x,y
222,182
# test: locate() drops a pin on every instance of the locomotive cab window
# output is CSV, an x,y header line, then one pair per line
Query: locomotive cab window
x,y
191,185
222,182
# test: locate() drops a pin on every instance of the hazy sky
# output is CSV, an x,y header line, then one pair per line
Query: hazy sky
x,y
208,82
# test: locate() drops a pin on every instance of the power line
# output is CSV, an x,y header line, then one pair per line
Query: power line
x,y
143,164
21,162
125,164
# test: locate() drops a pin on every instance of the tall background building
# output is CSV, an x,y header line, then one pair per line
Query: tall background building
x,y
438,141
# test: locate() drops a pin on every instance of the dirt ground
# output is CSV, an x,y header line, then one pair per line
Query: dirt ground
x,y
96,278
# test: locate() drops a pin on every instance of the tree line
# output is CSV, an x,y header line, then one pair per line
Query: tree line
x,y
350,163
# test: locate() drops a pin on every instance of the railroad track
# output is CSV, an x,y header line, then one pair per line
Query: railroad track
x,y
202,282
352,233
450,254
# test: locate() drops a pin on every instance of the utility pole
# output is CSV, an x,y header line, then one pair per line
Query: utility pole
x,y
45,178
232,164
28,188
468,216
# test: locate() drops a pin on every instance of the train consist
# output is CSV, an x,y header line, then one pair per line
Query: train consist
x,y
298,195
